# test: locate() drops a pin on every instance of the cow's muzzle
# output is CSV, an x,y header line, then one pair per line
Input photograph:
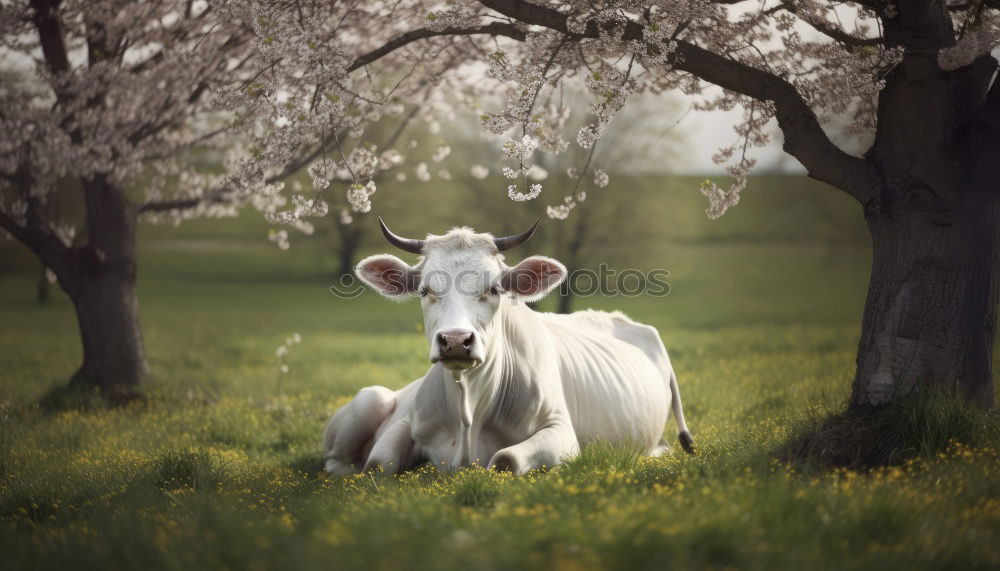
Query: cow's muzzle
x,y
455,349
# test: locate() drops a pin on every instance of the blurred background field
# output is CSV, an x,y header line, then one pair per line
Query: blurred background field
x,y
792,260
218,466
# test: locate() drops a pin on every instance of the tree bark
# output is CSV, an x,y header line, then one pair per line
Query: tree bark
x,y
107,311
930,317
101,283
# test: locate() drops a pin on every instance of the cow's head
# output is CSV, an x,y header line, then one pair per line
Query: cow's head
x,y
462,282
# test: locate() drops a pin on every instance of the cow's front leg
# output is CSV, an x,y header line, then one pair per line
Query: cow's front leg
x,y
352,428
394,450
549,446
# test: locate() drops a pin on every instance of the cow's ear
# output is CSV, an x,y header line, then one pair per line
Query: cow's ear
x,y
533,278
388,275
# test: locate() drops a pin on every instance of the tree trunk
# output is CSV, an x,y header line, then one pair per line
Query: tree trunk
x,y
351,235
42,286
107,312
930,317
347,253
101,284
565,299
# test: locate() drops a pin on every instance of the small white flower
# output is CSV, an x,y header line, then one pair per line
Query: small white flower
x,y
520,150
440,153
600,178
479,172
422,173
536,172
517,196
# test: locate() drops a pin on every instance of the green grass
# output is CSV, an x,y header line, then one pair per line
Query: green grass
x,y
218,467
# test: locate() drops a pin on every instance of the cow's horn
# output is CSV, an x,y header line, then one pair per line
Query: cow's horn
x,y
406,244
509,242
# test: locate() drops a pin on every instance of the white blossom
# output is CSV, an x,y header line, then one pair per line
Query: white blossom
x,y
600,178
517,196
279,238
479,172
359,196
520,149
536,172
441,153
422,173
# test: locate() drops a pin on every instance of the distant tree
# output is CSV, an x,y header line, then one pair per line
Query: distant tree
x,y
918,72
105,97
42,294
108,107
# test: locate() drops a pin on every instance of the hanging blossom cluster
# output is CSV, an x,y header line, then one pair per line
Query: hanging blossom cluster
x,y
327,70
562,211
751,133
299,86
612,89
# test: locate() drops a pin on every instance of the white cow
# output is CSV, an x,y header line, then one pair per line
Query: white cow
x,y
508,387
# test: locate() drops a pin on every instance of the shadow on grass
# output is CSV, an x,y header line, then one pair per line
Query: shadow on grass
x,y
79,397
919,426
66,397
311,464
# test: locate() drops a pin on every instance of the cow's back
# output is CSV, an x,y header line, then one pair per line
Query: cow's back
x,y
615,389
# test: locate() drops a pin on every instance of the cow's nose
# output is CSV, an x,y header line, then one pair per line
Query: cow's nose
x,y
455,343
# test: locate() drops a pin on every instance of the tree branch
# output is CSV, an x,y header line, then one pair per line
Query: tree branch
x,y
45,245
50,35
165,205
804,137
494,29
834,32
12,228
289,170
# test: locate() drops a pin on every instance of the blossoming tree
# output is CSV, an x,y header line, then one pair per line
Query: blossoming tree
x,y
100,102
916,73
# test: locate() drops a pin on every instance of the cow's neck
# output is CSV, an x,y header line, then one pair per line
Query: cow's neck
x,y
509,331
482,388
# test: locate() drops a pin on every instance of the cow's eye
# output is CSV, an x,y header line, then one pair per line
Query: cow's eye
x,y
424,292
495,290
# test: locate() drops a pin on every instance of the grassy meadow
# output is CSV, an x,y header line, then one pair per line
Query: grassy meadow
x,y
219,466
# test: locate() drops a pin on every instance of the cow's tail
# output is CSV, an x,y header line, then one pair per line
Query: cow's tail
x,y
687,443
